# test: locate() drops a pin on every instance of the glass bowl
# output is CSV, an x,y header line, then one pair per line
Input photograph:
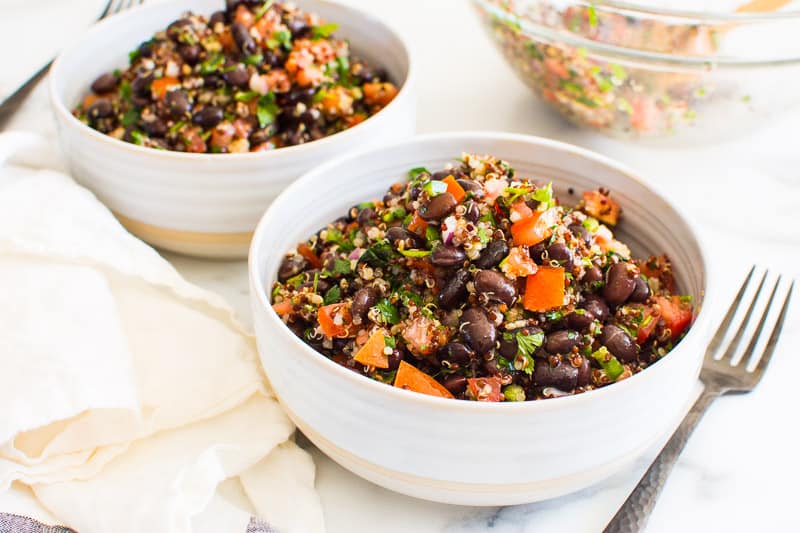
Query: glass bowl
x,y
639,72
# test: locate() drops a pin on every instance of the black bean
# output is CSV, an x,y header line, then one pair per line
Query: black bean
x,y
447,256
362,301
145,49
208,117
456,384
495,287
491,256
218,17
562,341
478,331
291,266
559,252
272,59
490,367
100,108
295,95
175,29
593,275
178,104
238,77
584,372
618,343
141,85
580,232
243,38
508,346
298,27
189,52
455,352
213,81
563,376
580,319
309,117
155,127
472,186
394,358
439,175
596,307
619,283
398,234
105,83
473,213
537,252
365,216
439,207
641,291
454,291
260,136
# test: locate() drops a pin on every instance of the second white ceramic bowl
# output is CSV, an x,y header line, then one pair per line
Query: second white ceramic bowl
x,y
206,204
471,452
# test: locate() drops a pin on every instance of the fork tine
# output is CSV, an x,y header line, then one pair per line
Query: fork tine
x,y
726,322
776,331
737,338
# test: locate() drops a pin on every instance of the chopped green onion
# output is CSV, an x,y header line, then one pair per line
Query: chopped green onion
x,y
415,253
389,341
267,110
591,224
254,59
618,72
514,393
138,137
263,9
395,214
245,96
212,64
592,15
416,171
125,91
432,234
544,195
323,31
610,364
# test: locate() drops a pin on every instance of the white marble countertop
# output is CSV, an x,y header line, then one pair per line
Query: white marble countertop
x,y
738,471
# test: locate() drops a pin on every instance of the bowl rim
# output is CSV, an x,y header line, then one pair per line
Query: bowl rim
x,y
62,111
702,16
260,304
532,29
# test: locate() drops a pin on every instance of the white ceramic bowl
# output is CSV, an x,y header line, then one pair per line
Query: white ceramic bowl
x,y
468,452
206,204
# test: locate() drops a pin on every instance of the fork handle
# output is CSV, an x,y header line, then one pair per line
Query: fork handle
x,y
634,513
10,105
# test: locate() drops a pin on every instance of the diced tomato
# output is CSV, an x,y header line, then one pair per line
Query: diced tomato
x,y
494,187
535,228
283,308
418,224
244,16
335,320
676,313
648,324
601,207
410,377
454,188
518,263
310,255
520,211
160,86
372,353
659,268
556,68
485,389
545,289
89,100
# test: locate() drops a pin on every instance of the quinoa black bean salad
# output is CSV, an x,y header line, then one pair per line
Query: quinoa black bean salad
x,y
471,282
257,76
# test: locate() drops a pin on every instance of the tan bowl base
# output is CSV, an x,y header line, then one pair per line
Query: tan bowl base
x,y
197,244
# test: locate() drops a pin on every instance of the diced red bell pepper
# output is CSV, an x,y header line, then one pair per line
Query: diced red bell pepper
x,y
676,313
335,320
545,289
534,229
648,324
310,255
418,224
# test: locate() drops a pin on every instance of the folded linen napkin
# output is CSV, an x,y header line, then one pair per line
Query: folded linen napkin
x,y
127,395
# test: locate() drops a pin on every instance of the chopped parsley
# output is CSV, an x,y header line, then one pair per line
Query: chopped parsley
x,y
544,195
378,254
333,295
389,313
212,64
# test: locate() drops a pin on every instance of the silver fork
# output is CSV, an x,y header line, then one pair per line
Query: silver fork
x,y
10,105
720,376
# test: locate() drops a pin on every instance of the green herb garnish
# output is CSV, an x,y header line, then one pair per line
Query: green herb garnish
x,y
610,364
415,253
389,313
333,295
280,38
416,171
592,15
245,96
544,195
138,137
254,59
261,11
212,64
378,255
130,117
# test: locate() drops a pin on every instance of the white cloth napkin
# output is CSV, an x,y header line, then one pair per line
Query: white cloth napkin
x,y
127,395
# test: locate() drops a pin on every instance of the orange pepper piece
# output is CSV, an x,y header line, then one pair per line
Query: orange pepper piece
x,y
372,353
326,316
410,377
283,308
418,224
454,188
545,289
160,86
